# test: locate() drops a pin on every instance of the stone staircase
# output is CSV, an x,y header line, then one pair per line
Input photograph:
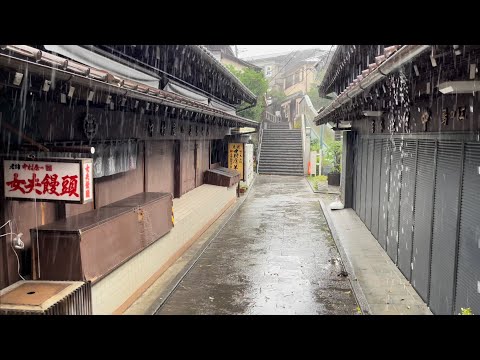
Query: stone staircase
x,y
281,152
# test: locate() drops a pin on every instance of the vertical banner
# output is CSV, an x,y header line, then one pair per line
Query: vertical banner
x,y
248,164
235,158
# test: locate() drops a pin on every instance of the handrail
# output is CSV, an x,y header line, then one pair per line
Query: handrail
x,y
260,135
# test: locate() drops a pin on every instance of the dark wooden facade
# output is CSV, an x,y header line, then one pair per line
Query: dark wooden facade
x,y
173,142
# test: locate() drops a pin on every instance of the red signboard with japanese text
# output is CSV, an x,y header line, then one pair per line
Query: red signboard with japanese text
x,y
69,180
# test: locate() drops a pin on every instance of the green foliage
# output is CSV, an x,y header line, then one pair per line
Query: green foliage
x,y
316,100
256,82
315,180
358,311
278,96
333,155
315,145
466,311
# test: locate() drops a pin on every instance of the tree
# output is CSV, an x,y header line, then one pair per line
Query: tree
x,y
255,81
316,100
334,154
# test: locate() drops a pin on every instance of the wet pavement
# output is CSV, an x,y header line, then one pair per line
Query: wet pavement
x,y
276,255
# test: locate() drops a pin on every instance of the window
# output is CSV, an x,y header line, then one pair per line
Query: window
x,y
268,71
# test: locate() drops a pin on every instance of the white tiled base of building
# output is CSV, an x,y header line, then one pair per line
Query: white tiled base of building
x,y
193,211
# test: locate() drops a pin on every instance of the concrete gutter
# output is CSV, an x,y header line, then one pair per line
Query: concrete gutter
x,y
357,289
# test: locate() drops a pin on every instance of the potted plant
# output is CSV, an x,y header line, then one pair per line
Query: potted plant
x,y
334,155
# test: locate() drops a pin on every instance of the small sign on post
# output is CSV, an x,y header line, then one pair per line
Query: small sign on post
x,y
235,158
55,179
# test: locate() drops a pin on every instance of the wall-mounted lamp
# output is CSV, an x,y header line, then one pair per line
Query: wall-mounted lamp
x,y
71,91
459,87
17,80
109,99
90,95
373,113
46,85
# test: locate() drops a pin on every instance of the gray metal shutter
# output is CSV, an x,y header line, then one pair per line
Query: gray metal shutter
x,y
358,175
468,276
354,153
363,192
407,200
394,200
449,162
423,217
384,183
368,198
377,164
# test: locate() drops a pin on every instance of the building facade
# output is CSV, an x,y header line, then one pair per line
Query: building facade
x,y
155,117
411,161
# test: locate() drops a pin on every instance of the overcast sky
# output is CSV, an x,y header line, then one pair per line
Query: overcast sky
x,y
245,51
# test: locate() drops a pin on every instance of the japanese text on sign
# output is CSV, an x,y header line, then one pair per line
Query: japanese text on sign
x,y
47,180
235,157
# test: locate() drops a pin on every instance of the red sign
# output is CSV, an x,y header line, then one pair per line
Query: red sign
x,y
49,179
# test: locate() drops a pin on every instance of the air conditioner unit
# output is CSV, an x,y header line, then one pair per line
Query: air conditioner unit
x,y
29,297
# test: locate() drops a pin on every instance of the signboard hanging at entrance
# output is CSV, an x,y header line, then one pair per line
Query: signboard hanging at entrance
x,y
69,180
235,158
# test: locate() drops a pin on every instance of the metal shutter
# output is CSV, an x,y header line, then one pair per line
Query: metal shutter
x,y
448,176
358,175
376,186
368,198
384,183
407,200
394,199
423,217
363,190
468,276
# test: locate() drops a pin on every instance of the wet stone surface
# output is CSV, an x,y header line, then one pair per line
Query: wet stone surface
x,y
275,256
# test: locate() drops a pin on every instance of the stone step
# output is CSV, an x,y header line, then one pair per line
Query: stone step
x,y
281,173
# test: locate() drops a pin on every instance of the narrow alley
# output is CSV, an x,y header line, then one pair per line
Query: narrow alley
x,y
275,256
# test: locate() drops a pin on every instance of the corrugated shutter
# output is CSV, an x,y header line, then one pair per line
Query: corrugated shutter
x,y
376,186
358,176
449,162
354,173
363,191
423,217
368,199
394,199
384,184
468,276
407,200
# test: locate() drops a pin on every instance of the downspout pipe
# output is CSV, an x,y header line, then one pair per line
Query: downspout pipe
x,y
402,56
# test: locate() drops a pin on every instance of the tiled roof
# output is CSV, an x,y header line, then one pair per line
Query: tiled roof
x,y
134,89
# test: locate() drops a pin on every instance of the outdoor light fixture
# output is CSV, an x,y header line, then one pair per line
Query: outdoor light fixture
x,y
147,106
373,113
433,61
136,104
112,106
109,99
459,87
63,98
124,101
92,150
46,85
90,95
415,67
17,80
473,71
71,91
